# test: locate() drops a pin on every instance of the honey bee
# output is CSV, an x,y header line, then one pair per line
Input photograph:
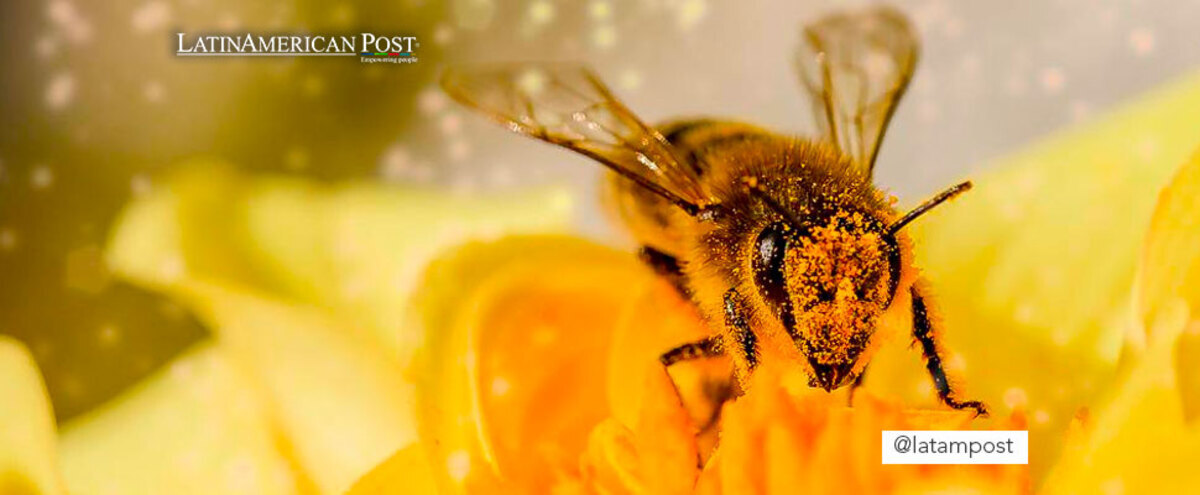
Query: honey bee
x,y
782,242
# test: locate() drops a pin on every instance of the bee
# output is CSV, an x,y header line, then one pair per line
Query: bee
x,y
782,242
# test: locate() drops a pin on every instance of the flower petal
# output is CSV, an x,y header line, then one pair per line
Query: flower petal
x,y
611,463
1169,279
785,437
199,426
343,406
512,378
407,468
355,248
1047,243
1158,395
659,455
666,438
635,351
28,456
255,255
1170,269
1187,371
1138,441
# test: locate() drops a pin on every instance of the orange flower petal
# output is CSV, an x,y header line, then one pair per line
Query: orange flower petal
x,y
610,464
659,455
666,438
513,375
784,437
657,320
709,482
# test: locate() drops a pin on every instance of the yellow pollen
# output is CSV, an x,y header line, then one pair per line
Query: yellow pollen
x,y
837,278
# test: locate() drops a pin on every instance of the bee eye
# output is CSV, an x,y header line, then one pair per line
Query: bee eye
x,y
770,250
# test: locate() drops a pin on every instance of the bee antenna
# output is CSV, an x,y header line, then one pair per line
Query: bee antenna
x,y
942,197
752,184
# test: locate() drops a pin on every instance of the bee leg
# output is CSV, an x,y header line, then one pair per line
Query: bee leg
x,y
713,346
735,322
705,348
924,333
666,266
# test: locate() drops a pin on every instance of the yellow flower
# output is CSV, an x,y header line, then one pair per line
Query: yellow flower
x,y
302,387
1144,439
543,375
791,439
1067,282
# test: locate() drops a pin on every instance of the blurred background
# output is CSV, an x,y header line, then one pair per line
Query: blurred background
x,y
94,107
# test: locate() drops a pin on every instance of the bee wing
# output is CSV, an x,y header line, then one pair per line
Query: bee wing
x,y
855,67
567,105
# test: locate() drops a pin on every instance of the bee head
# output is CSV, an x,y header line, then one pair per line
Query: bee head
x,y
828,284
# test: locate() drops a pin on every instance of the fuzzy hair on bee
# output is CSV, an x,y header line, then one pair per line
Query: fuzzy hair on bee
x,y
813,285
784,243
